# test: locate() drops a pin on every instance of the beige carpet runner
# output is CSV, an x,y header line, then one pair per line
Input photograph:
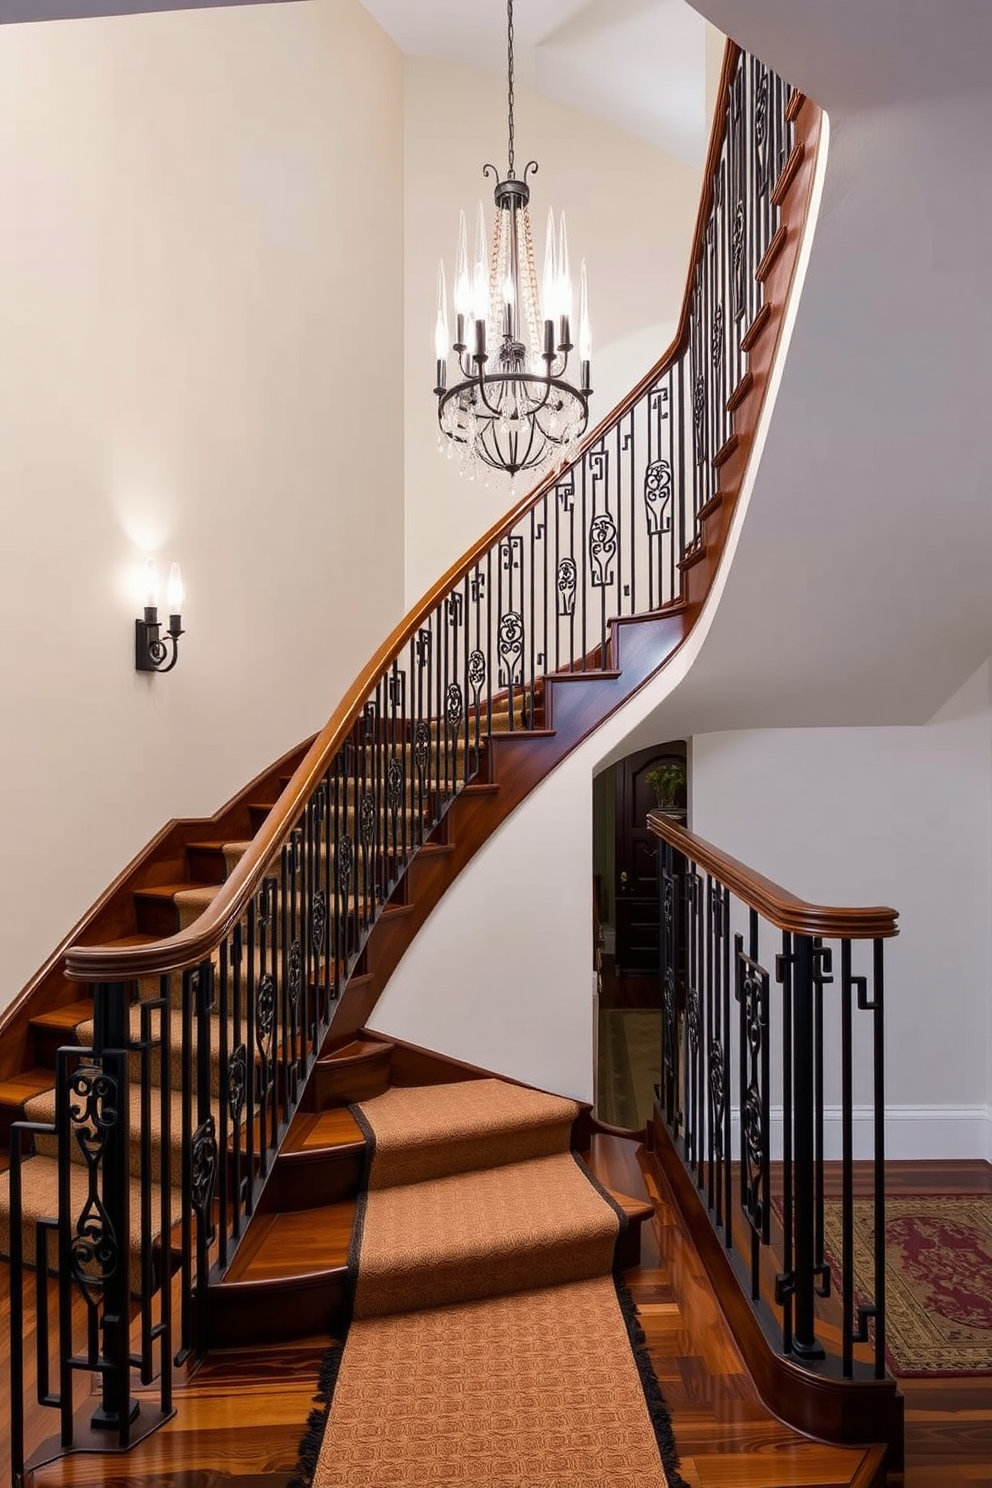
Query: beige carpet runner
x,y
490,1346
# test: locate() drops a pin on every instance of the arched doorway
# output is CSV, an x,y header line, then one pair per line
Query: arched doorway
x,y
626,898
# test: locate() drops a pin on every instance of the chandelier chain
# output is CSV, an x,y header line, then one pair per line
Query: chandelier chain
x,y
509,83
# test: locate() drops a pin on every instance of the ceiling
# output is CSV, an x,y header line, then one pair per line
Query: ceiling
x,y
638,64
76,10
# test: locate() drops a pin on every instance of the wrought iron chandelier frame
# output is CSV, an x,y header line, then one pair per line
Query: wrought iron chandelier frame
x,y
502,410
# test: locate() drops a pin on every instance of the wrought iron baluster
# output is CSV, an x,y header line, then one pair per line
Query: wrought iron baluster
x,y
752,994
203,1150
784,1284
847,1160
822,963
877,1009
804,1342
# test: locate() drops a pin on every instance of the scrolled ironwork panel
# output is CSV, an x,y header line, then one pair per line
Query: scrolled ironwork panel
x,y
454,705
657,497
295,977
318,921
94,1114
395,781
265,1013
345,861
717,1075
602,549
511,648
422,747
237,1083
567,578
367,819
753,999
204,1175
476,672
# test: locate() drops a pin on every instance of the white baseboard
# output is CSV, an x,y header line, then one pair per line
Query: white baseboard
x,y
920,1132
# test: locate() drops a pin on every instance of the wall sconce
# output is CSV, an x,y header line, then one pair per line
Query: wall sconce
x,y
151,650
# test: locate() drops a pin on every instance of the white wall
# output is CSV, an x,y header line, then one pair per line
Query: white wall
x,y
897,816
200,266
501,975
630,209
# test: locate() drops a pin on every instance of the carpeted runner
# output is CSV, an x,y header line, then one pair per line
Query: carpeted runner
x,y
481,1234
466,1125
490,1346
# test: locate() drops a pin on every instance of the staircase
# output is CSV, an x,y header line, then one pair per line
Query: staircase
x,y
200,1032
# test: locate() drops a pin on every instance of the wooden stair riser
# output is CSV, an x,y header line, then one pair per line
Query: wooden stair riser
x,y
340,1079
249,1314
304,1180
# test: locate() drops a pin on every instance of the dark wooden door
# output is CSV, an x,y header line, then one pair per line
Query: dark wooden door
x,y
637,906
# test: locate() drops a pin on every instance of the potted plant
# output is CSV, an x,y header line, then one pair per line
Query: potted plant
x,y
667,780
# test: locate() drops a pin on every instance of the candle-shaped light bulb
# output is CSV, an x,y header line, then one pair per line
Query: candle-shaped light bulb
x,y
549,285
441,324
151,584
585,332
175,591
564,273
463,284
480,276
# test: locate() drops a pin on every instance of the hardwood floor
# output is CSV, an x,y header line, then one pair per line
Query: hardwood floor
x,y
240,1418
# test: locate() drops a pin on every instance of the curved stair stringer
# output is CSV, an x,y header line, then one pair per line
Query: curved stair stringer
x,y
577,704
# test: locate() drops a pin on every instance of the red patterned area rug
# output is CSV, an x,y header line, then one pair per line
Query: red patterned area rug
x,y
938,1275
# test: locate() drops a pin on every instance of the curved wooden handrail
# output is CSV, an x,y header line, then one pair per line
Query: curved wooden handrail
x,y
775,904
195,944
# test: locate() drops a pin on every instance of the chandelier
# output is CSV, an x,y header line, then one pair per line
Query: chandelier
x,y
512,406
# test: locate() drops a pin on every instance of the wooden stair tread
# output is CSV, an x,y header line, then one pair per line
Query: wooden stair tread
x,y
591,674
321,1131
639,1209
218,845
304,1242
358,1051
25,1086
66,1017
537,733
169,891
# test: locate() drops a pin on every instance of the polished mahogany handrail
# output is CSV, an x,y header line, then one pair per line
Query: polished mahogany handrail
x,y
777,905
195,943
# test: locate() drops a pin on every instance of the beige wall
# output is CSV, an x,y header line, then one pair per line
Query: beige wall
x,y
630,209
200,271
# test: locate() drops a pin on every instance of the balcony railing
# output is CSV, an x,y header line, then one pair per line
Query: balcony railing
x,y
772,1099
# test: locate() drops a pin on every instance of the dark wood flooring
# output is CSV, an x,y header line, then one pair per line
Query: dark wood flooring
x,y
241,1416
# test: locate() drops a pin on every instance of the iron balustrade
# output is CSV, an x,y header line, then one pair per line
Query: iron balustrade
x,y
763,1017
168,1124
